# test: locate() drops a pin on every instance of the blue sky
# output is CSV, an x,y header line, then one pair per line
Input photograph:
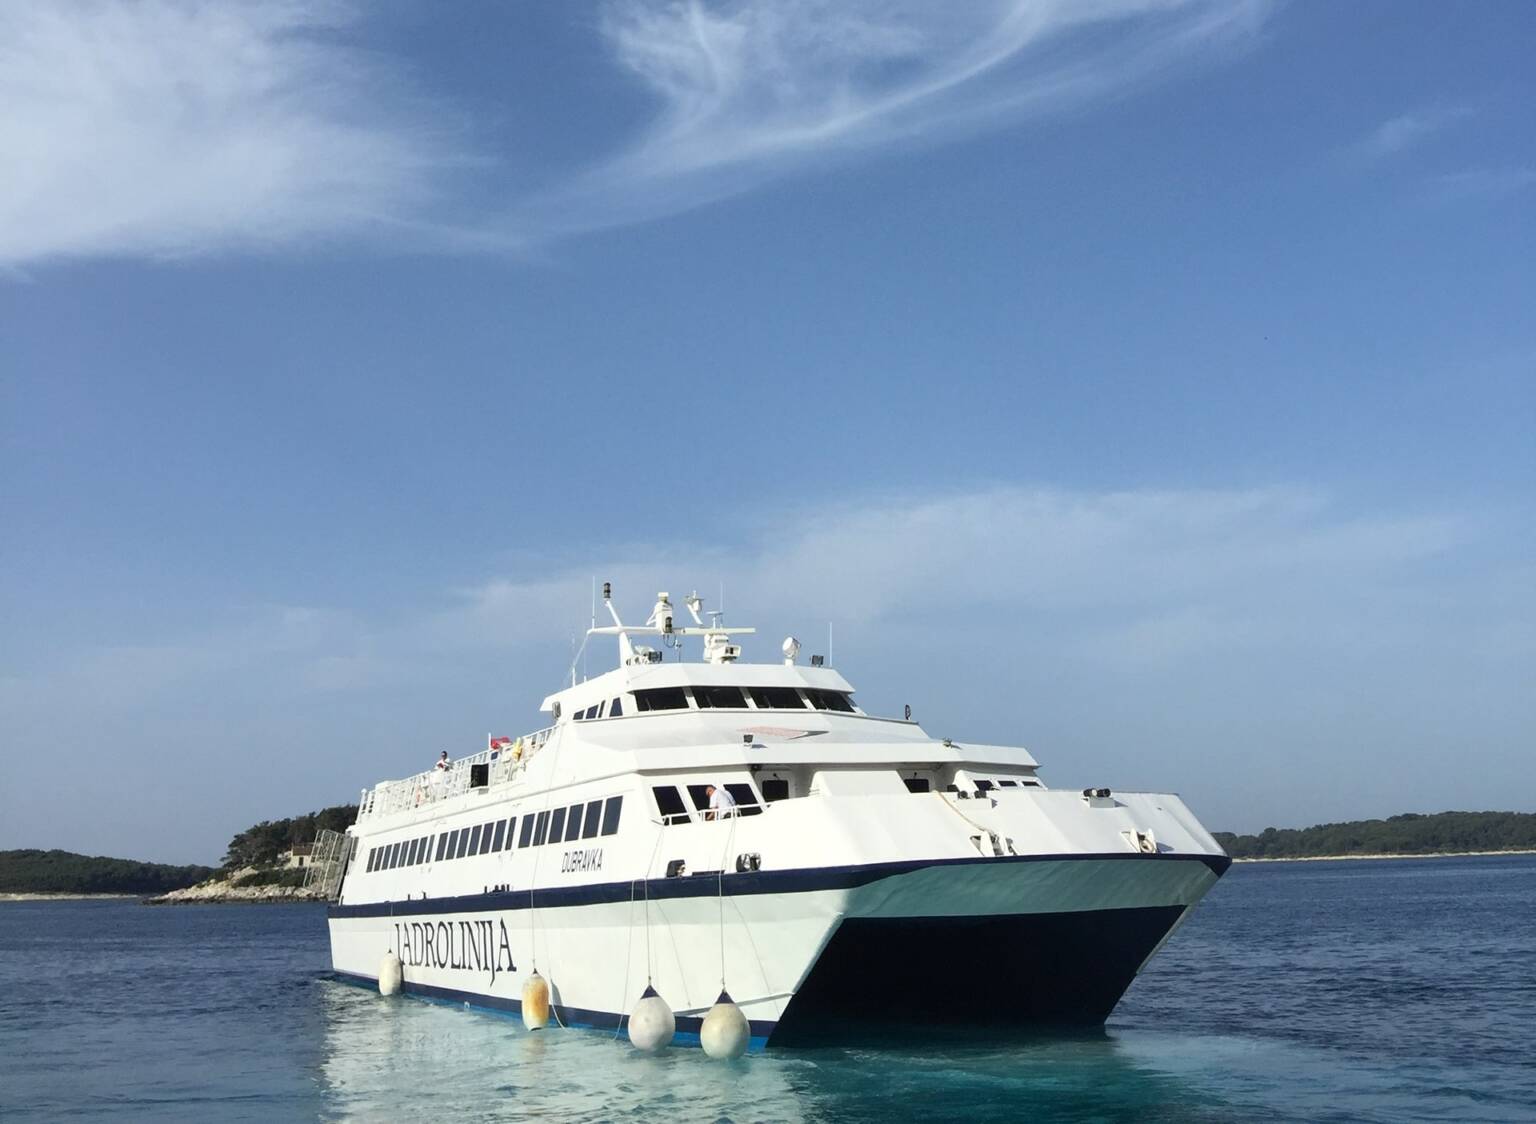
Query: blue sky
x,y
1149,383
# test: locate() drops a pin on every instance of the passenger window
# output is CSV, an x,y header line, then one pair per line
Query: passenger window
x,y
453,841
394,853
526,839
511,831
592,711
591,823
718,697
611,814
746,799
615,709
410,852
540,829
776,698
442,841
669,804
573,822
485,837
474,841
984,786
775,788
1009,784
463,846
368,865
661,698
500,836
557,825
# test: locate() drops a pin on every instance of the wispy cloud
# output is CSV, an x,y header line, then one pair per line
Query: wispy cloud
x,y
1408,130
160,128
752,90
1484,183
163,129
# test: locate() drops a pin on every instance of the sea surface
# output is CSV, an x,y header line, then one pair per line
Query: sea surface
x,y
1393,990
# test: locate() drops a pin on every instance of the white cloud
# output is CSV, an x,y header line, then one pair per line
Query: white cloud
x,y
754,89
1408,130
165,128
1232,644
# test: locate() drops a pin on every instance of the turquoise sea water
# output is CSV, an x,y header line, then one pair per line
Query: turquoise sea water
x,y
1383,991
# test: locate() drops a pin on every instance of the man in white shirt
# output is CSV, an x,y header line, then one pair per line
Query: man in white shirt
x,y
721,803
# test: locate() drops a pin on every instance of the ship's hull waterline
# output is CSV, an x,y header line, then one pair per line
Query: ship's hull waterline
x,y
825,955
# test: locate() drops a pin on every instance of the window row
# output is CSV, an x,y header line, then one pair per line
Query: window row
x,y
673,811
559,825
735,698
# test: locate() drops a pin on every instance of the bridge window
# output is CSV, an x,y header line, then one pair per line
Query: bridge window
x,y
776,698
775,788
719,697
615,709
1009,784
983,786
611,809
669,804
593,820
829,700
591,711
573,822
917,784
661,698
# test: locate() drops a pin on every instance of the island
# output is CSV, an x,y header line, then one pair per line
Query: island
x,y
65,874
1408,835
267,862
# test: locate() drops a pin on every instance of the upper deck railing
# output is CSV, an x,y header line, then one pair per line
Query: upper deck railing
x,y
433,785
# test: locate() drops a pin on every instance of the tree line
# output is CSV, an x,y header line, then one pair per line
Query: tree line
x,y
261,844
1407,834
64,872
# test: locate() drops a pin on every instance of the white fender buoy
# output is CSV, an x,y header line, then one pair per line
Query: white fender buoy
x,y
391,974
724,1033
652,1023
535,1002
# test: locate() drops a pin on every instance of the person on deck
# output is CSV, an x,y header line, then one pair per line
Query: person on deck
x,y
721,803
443,763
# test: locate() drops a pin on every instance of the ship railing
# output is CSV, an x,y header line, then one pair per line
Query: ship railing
x,y
434,784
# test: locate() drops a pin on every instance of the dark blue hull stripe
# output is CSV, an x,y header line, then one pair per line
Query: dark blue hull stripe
x,y
573,1018
799,881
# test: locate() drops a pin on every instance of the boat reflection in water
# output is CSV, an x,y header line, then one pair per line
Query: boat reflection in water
x,y
405,1060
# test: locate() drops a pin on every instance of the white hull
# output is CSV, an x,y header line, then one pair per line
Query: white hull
x,y
598,956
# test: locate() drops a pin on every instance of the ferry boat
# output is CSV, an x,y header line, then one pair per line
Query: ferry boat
x,y
862,877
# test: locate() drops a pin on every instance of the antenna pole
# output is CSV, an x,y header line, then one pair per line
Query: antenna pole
x,y
829,643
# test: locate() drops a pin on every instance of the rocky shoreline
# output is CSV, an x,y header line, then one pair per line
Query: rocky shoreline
x,y
224,890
